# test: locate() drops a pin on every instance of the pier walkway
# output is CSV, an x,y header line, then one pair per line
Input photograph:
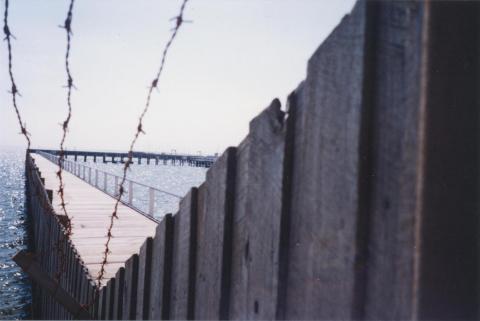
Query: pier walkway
x,y
90,212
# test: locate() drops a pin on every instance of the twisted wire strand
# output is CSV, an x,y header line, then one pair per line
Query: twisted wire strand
x,y
14,89
178,23
61,189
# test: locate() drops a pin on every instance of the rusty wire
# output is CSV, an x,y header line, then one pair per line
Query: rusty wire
x,y
61,189
14,91
178,23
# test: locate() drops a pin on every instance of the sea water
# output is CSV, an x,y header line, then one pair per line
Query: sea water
x,y
14,285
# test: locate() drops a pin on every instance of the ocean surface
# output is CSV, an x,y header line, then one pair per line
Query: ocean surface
x,y
14,284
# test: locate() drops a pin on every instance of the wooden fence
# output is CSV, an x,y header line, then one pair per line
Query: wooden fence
x,y
49,247
358,202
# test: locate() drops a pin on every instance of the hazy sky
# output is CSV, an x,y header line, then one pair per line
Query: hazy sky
x,y
223,69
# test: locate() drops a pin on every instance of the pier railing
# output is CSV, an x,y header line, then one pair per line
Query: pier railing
x,y
141,197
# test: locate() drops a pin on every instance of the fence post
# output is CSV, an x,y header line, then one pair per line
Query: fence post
x,y
90,175
151,201
130,192
96,177
105,181
116,191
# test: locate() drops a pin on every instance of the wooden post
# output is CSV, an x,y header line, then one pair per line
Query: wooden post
x,y
214,240
325,183
130,292
103,303
144,280
183,276
33,269
161,270
118,295
420,182
110,301
258,205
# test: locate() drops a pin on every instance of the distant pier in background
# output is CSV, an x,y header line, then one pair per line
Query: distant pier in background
x,y
114,157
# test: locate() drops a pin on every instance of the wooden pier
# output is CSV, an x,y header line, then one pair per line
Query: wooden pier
x,y
90,212
359,202
114,157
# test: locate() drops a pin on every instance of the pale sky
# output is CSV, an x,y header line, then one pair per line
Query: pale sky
x,y
223,69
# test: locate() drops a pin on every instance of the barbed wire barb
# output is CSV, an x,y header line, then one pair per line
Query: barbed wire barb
x,y
154,84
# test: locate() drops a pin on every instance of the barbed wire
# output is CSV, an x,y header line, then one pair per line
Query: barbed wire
x,y
14,91
178,23
61,189
139,130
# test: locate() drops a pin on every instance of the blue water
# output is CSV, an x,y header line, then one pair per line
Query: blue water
x,y
14,285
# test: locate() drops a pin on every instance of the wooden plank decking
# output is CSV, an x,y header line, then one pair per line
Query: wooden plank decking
x,y
90,210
